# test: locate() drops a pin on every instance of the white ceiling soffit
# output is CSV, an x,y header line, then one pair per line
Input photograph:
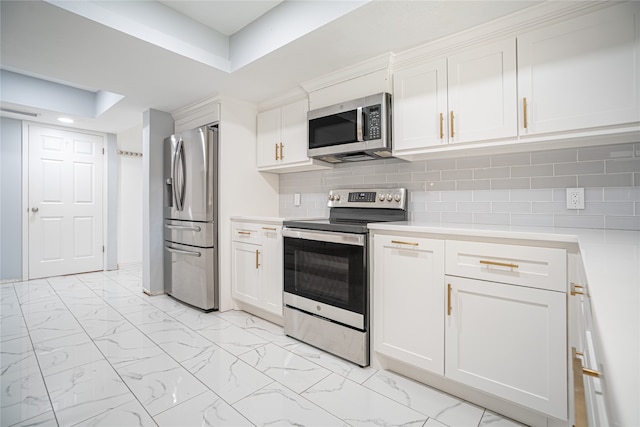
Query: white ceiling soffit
x,y
163,26
29,91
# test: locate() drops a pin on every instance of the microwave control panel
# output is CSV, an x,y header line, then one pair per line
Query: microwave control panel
x,y
373,114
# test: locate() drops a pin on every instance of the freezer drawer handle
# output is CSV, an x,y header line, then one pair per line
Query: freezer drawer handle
x,y
182,227
179,251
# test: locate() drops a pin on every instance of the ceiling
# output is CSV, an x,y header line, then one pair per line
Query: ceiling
x,y
168,54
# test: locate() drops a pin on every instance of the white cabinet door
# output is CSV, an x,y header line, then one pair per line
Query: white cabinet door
x,y
294,133
408,300
245,272
269,138
271,265
482,93
509,341
420,106
581,73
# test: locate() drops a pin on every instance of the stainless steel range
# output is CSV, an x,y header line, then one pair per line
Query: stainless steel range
x,y
326,275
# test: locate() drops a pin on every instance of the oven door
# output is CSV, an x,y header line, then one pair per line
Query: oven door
x,y
325,274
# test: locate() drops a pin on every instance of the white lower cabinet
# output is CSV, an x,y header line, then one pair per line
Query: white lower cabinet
x,y
256,266
409,328
507,339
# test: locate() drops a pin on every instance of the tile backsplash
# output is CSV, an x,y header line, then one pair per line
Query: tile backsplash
x,y
506,189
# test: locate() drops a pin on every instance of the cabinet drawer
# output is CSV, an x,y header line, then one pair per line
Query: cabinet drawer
x,y
543,268
246,232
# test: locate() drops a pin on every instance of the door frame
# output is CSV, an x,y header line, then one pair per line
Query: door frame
x,y
25,190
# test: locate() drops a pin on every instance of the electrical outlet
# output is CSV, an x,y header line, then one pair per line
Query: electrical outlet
x,y
575,198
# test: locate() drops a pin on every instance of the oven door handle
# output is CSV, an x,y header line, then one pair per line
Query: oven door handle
x,y
325,236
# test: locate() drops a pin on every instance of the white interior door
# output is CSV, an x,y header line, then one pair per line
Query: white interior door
x,y
65,202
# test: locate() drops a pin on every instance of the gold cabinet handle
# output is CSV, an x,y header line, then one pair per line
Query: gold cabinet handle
x,y
269,228
441,126
590,372
524,111
499,264
574,290
281,151
448,299
451,119
257,258
399,242
244,232
277,152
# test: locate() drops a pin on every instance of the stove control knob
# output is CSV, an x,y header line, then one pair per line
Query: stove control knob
x,y
397,197
389,197
381,197
336,197
330,197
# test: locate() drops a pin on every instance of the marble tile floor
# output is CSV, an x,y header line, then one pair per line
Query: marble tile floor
x,y
93,350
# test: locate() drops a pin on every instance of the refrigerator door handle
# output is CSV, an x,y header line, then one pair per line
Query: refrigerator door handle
x,y
180,251
179,185
181,227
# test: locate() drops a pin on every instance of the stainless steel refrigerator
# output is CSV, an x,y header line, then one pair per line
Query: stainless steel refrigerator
x,y
191,217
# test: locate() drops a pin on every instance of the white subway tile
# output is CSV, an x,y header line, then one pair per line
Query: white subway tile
x,y
474,207
554,156
578,221
475,184
511,207
605,152
492,218
623,193
622,222
554,182
578,168
510,183
606,180
544,195
511,159
529,171
456,196
491,195
532,220
485,173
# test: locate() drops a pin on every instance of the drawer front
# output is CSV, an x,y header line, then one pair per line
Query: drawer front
x,y
202,234
543,268
246,232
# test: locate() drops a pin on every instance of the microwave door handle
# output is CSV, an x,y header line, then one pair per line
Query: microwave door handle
x,y
359,128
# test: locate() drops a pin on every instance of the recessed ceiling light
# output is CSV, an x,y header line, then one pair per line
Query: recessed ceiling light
x,y
65,120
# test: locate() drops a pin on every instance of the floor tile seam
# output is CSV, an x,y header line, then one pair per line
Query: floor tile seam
x,y
330,371
172,358
191,398
33,349
294,392
105,358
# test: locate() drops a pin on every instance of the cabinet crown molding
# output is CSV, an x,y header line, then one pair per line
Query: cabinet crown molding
x,y
380,62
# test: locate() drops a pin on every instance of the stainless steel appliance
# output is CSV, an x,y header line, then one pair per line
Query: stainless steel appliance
x,y
326,275
351,131
191,217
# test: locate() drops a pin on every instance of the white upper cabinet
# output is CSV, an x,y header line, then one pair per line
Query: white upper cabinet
x,y
470,96
420,106
282,140
582,73
482,93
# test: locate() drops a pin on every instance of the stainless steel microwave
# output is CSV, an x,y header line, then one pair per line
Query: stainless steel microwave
x,y
355,130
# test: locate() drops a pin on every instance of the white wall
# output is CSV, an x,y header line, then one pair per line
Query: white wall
x,y
130,197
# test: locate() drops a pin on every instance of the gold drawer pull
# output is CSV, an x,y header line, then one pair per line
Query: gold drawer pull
x,y
257,258
576,292
448,299
269,228
524,112
499,264
399,242
590,372
244,232
441,126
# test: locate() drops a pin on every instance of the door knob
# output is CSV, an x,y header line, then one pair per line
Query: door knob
x,y
34,210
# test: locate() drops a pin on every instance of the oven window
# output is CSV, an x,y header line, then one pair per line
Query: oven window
x,y
330,273
336,129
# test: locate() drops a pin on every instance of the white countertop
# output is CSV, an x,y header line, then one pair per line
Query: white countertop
x,y
612,263
268,219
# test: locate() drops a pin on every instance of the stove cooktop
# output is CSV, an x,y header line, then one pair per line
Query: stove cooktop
x,y
352,209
